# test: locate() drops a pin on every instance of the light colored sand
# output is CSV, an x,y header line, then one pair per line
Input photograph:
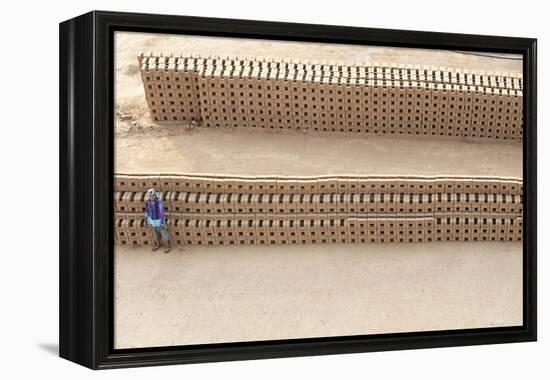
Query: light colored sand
x,y
225,294
244,152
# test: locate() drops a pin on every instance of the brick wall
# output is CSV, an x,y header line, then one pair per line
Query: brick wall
x,y
380,99
216,210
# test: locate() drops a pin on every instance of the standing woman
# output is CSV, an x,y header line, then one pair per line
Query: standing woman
x,y
154,214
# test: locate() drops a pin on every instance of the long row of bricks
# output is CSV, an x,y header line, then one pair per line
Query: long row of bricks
x,y
380,70
230,229
209,203
382,100
345,183
432,208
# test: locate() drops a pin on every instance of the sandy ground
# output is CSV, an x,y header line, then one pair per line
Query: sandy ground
x,y
227,294
245,152
223,294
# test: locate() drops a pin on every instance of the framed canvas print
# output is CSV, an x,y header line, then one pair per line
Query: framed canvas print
x,y
240,189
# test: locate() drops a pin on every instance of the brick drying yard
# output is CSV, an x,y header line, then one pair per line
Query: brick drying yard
x,y
219,294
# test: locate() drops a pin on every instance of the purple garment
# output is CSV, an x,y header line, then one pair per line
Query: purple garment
x,y
155,209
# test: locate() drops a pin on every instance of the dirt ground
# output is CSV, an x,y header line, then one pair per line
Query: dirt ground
x,y
243,152
228,294
222,294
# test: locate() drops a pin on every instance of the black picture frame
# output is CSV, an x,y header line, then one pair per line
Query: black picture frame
x,y
86,187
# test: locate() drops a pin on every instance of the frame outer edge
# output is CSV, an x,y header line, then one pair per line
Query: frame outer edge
x,y
86,151
76,279
530,196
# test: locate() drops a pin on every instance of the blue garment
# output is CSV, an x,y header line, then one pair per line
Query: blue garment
x,y
154,212
154,222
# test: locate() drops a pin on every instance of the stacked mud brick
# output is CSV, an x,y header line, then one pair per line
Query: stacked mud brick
x,y
377,99
231,210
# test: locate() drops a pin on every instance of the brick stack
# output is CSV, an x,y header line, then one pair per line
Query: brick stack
x,y
379,99
229,210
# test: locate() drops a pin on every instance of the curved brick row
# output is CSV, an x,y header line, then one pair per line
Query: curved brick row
x,y
382,100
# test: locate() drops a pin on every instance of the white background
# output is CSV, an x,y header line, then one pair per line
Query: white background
x,y
29,151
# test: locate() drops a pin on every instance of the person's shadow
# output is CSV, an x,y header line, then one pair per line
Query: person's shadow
x,y
52,348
